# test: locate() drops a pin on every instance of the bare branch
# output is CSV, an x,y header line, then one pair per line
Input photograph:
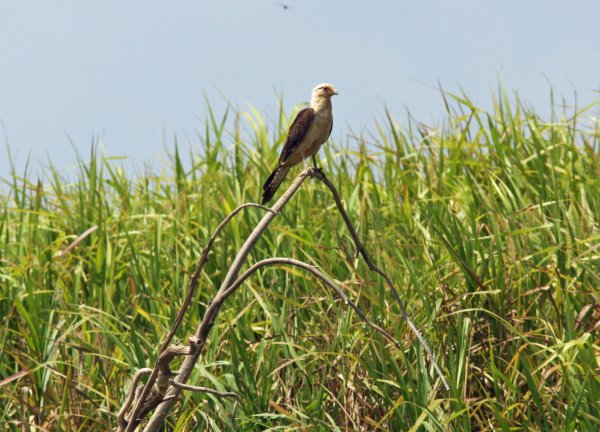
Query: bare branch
x,y
141,400
372,266
186,368
121,420
205,390
319,275
170,390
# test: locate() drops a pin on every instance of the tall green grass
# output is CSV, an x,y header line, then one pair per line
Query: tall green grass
x,y
488,222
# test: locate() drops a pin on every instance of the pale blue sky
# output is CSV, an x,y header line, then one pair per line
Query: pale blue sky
x,y
134,72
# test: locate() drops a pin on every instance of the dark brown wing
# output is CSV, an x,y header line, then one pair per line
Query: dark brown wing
x,y
297,131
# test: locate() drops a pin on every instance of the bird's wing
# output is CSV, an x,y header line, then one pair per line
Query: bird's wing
x,y
297,131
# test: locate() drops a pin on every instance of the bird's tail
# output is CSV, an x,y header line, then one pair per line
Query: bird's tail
x,y
273,182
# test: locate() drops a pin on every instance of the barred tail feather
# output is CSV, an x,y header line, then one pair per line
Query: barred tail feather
x,y
273,182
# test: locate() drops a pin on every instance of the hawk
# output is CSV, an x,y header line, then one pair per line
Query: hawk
x,y
309,130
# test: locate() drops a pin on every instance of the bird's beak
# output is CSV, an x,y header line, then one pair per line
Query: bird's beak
x,y
334,92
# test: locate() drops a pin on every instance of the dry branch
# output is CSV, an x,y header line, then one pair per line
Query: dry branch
x,y
319,275
148,388
205,390
210,314
121,420
361,249
161,393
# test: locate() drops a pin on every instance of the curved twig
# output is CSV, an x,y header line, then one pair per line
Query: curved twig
x,y
205,390
121,420
319,275
373,267
194,280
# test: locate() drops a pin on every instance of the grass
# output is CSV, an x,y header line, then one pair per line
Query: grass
x,y
488,222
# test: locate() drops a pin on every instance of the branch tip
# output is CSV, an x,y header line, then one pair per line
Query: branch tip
x,y
205,390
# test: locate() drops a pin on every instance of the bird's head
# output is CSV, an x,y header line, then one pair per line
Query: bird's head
x,y
321,94
324,90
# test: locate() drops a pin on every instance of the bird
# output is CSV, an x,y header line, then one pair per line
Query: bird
x,y
308,132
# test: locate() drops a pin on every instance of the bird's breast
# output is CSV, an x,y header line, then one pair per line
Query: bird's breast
x,y
321,127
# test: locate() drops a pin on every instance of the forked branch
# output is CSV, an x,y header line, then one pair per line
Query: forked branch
x,y
140,399
232,282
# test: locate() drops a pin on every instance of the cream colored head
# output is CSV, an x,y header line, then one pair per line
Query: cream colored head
x,y
322,92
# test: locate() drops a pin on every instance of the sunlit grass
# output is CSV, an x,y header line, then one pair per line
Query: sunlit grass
x,y
488,222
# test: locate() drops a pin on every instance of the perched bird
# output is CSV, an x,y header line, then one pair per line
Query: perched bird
x,y
309,130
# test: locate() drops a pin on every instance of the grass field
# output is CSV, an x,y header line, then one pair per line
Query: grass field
x,y
488,223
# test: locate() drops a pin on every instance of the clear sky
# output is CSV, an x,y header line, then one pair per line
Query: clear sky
x,y
134,73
